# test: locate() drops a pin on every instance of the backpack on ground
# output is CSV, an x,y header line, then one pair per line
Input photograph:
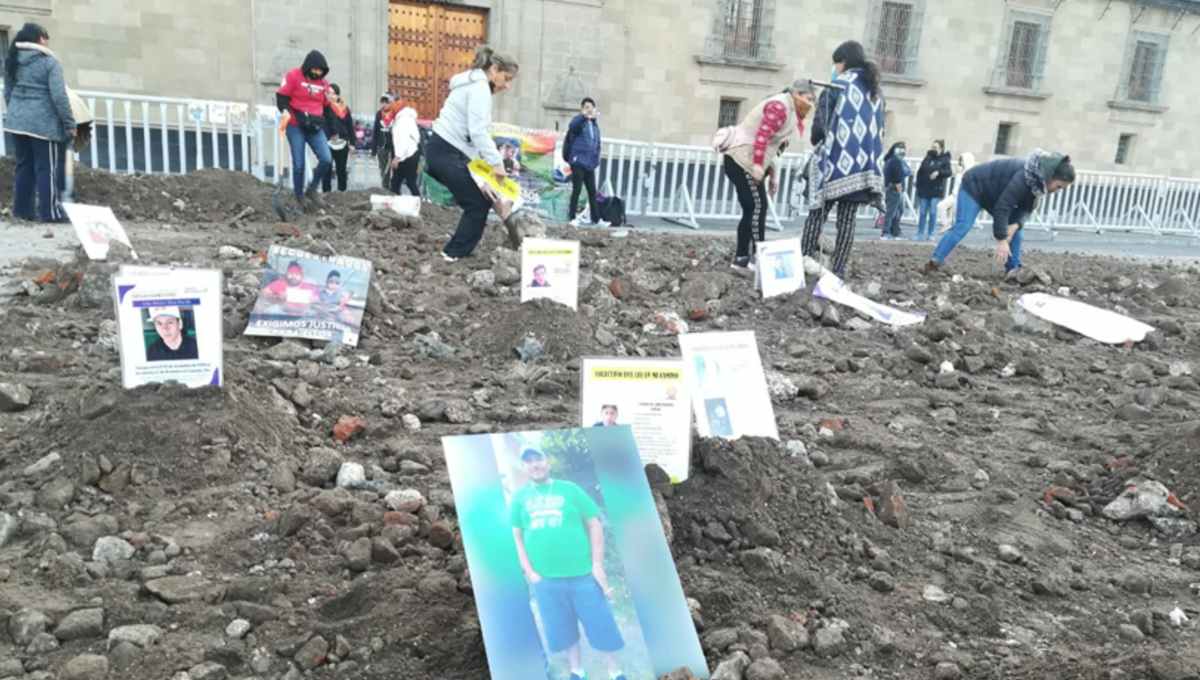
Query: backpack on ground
x,y
611,209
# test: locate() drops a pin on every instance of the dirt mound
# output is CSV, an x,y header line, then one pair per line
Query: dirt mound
x,y
220,511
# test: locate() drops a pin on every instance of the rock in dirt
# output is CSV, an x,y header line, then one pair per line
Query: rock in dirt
x,y
358,555
14,397
1010,554
765,669
81,624
141,635
179,589
112,549
321,466
209,670
1130,633
404,500
351,475
829,641
314,653
733,668
25,625
86,667
947,670
288,350
237,629
8,528
893,511
786,635
882,582
347,427
42,465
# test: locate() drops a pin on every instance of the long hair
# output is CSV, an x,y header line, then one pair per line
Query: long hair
x,y
486,57
852,55
29,33
892,151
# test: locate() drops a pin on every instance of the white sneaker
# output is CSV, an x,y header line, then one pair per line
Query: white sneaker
x,y
448,258
603,223
575,222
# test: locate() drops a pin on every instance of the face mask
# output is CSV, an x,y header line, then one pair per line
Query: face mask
x,y
803,107
901,153
833,73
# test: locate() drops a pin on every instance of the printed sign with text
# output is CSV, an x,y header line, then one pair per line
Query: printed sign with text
x,y
97,227
729,389
550,269
309,296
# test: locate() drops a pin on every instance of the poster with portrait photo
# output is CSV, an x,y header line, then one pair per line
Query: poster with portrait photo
x,y
780,268
550,269
309,296
169,325
96,227
651,396
569,565
725,377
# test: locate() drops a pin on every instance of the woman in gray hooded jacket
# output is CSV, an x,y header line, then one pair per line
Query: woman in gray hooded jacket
x,y
40,121
461,133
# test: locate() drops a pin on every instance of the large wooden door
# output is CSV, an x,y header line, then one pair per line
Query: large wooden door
x,y
429,43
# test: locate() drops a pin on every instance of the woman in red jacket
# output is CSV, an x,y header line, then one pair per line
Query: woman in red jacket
x,y
302,95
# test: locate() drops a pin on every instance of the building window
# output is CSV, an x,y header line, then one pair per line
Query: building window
x,y
743,30
3,45
1124,148
894,34
1144,59
1004,138
1022,61
729,113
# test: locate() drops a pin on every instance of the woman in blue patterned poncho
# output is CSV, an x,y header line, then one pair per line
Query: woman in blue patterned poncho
x,y
847,135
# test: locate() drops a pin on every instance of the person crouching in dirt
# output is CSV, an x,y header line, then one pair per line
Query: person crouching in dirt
x,y
845,171
1009,189
303,95
339,131
460,133
41,122
751,160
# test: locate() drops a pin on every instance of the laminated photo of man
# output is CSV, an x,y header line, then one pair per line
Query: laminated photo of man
x,y
783,267
291,291
608,416
539,277
560,544
172,344
511,158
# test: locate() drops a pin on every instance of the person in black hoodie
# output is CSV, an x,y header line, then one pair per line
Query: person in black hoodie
x,y
339,130
302,96
1009,189
895,173
935,169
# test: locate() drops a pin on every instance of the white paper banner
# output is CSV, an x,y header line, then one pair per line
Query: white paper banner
x,y
1098,324
832,288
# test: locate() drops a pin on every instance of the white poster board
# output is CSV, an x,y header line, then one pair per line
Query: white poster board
x,y
409,206
311,296
1098,324
780,267
834,289
169,325
725,377
648,394
96,227
550,269
218,113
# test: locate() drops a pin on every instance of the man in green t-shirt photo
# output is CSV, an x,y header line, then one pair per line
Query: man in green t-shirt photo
x,y
560,543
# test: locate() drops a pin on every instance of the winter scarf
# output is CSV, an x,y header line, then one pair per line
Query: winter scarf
x,y
1039,168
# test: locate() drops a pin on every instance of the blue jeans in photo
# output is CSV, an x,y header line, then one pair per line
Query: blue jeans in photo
x,y
297,139
564,603
926,214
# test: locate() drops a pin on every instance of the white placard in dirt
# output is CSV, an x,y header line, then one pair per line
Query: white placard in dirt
x,y
96,227
550,269
780,267
1098,324
169,325
724,375
409,206
834,289
648,394
218,114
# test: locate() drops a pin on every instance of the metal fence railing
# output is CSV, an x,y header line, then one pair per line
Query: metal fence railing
x,y
163,135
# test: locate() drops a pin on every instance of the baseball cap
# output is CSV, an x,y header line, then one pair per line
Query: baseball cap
x,y
529,454
165,311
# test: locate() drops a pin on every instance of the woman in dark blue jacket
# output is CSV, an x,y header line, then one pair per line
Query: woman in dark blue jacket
x,y
40,121
895,173
581,149
1009,189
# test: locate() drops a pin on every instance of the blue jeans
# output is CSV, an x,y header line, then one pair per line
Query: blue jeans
x,y
39,178
894,211
297,139
964,219
927,214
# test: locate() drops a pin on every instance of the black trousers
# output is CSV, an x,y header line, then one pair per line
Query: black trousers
x,y
406,173
448,165
341,158
753,200
39,178
583,177
846,214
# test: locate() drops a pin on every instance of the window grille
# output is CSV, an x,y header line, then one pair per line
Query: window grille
x,y
1145,57
743,29
1004,135
1022,62
729,113
894,34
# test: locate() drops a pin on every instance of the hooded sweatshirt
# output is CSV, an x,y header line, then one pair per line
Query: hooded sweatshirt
x,y
406,137
37,100
466,117
301,94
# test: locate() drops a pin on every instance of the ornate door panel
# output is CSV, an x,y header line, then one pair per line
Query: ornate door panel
x,y
429,43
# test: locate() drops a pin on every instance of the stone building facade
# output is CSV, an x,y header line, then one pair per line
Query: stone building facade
x,y
1108,81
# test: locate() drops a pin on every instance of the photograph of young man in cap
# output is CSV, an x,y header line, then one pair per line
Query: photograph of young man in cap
x,y
560,543
172,344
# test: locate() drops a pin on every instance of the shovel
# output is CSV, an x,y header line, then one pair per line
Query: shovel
x,y
279,199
